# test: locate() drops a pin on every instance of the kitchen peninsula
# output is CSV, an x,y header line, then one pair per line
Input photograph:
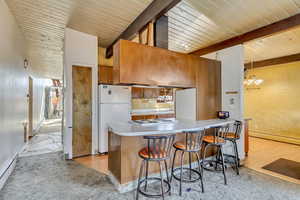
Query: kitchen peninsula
x,y
125,141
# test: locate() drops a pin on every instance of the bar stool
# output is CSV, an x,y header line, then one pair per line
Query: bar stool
x,y
192,145
217,140
233,137
158,150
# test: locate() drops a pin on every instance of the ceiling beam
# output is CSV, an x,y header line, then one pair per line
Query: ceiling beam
x,y
270,29
155,10
273,61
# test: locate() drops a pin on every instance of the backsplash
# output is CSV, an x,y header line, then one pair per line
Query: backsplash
x,y
150,104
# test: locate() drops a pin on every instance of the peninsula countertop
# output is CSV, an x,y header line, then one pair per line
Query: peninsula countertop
x,y
177,126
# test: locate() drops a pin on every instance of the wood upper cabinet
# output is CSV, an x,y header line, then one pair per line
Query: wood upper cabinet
x,y
137,92
151,93
208,84
144,93
105,74
141,64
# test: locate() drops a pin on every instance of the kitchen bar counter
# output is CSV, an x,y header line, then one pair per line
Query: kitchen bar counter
x,y
125,140
178,126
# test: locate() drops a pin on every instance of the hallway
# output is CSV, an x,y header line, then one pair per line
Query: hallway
x,y
47,140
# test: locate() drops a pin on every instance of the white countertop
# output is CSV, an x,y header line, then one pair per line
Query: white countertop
x,y
131,129
137,112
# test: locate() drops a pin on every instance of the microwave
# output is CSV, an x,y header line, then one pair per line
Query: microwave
x,y
223,114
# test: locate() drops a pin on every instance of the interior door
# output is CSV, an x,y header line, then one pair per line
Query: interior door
x,y
185,103
82,111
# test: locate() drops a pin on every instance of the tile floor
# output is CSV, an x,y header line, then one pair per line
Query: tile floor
x,y
47,140
263,152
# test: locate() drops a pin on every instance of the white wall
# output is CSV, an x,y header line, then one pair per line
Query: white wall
x,y
232,80
13,90
38,99
80,49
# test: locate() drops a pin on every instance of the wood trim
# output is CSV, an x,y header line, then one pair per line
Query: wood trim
x,y
155,10
270,29
274,61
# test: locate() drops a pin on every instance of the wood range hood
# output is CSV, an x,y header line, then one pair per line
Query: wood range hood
x,y
140,64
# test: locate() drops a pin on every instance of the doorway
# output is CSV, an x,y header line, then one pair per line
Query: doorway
x,y
44,133
271,93
82,111
30,109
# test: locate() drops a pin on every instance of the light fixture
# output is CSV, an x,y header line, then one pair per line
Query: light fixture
x,y
251,81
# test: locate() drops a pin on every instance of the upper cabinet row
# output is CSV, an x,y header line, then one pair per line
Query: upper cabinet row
x,y
141,64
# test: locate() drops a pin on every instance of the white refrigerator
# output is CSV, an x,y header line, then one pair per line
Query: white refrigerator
x,y
186,104
114,105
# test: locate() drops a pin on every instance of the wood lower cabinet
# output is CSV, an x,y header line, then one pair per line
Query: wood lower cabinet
x,y
141,64
105,74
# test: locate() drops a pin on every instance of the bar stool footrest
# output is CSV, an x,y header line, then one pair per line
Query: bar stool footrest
x,y
212,164
187,180
154,195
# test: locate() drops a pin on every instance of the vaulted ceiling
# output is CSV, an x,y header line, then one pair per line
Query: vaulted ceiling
x,y
43,23
196,24
193,24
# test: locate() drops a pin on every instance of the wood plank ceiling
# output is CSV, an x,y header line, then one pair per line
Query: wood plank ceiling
x,y
43,23
195,24
274,46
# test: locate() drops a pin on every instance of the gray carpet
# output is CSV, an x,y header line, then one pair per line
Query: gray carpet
x,y
48,176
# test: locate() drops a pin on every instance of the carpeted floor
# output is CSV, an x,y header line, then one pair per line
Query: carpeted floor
x,y
47,140
48,176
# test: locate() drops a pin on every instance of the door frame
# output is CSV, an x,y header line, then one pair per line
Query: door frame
x,y
30,108
68,108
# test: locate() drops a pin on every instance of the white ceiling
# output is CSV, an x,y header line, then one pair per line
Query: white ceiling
x,y
43,23
196,24
193,24
278,45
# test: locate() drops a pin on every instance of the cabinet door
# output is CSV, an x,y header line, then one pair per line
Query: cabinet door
x,y
151,93
208,89
137,92
105,75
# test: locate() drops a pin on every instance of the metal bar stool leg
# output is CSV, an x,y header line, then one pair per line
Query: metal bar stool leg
x,y
223,164
139,180
181,170
146,176
173,163
236,157
200,169
167,173
161,181
190,165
